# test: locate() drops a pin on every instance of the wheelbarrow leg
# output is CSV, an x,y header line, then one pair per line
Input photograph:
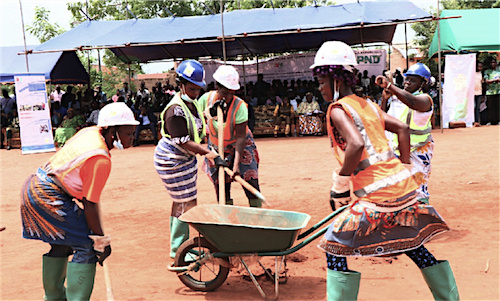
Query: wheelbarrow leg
x,y
259,288
277,270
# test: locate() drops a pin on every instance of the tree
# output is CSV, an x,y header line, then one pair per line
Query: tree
x,y
42,28
425,30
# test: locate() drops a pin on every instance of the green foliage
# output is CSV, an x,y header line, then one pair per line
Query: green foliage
x,y
425,30
42,28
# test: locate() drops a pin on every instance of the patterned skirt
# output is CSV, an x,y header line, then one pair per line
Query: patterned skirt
x,y
177,169
249,163
50,214
310,125
360,230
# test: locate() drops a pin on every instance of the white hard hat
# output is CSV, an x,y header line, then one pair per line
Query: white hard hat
x,y
334,53
228,77
116,113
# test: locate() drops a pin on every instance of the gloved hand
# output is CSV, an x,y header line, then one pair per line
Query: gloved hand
x,y
103,255
340,194
218,161
219,103
101,246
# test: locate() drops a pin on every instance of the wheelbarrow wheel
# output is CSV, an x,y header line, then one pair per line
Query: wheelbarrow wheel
x,y
207,277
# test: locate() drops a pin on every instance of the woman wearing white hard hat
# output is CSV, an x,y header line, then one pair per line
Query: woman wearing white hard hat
x,y
182,129
239,146
60,204
415,108
386,218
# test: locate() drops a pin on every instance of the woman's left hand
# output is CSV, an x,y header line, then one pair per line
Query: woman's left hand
x,y
236,172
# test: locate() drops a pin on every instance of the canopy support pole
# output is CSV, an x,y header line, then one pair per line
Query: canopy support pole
x,y
361,35
128,77
24,37
257,63
244,74
222,24
100,68
389,53
88,66
439,70
406,48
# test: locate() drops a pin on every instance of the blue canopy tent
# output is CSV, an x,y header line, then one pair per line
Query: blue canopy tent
x,y
246,32
58,67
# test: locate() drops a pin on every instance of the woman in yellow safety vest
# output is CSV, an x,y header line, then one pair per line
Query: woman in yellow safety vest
x,y
386,217
182,130
60,204
239,147
414,108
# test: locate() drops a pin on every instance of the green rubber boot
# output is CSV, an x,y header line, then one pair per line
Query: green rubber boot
x,y
255,203
80,281
54,275
342,285
441,281
179,233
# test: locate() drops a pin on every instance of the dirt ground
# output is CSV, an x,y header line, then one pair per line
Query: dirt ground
x,y
295,174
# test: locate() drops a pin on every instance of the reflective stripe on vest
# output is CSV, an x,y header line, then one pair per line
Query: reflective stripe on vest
x,y
373,156
419,135
229,125
379,173
85,144
190,119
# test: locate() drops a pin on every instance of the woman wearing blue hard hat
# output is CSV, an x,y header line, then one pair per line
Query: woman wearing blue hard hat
x,y
182,129
414,108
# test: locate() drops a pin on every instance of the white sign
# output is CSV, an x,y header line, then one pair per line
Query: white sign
x,y
294,66
34,114
458,90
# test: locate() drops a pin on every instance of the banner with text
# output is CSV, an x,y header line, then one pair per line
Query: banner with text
x,y
294,66
458,90
34,114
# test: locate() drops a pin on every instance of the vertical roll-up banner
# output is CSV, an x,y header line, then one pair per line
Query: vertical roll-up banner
x,y
34,114
458,90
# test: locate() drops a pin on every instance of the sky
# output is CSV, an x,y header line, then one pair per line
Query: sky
x,y
11,33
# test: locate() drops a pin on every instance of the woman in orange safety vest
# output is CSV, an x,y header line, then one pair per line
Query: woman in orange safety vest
x,y
60,204
239,147
386,218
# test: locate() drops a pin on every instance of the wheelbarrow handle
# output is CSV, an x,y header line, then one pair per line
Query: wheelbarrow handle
x,y
247,185
322,222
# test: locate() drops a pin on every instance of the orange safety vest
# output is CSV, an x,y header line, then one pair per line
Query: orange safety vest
x,y
229,125
84,145
380,177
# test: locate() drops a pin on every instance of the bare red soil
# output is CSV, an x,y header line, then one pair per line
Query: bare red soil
x,y
295,174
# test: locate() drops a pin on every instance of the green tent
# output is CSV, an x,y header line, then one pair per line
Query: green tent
x,y
476,30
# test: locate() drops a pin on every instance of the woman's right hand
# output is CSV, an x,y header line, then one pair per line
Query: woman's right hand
x,y
103,255
381,81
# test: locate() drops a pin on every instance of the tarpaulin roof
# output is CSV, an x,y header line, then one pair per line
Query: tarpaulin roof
x,y
476,30
255,31
58,67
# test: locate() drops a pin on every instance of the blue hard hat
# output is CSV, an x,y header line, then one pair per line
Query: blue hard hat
x,y
192,70
421,70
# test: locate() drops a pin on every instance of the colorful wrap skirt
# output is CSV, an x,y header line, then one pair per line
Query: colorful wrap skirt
x,y
361,230
178,170
249,162
310,125
49,214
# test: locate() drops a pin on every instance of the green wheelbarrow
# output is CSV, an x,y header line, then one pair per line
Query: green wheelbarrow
x,y
202,263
